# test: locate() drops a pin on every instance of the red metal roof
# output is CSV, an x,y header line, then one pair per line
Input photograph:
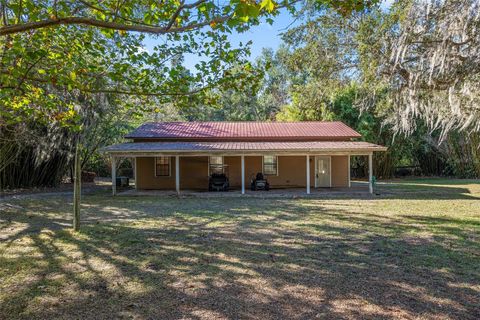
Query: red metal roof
x,y
244,147
263,131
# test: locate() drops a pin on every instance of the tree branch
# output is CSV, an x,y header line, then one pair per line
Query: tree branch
x,y
143,93
180,8
17,28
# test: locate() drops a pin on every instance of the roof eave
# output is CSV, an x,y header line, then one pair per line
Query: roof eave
x,y
244,138
249,151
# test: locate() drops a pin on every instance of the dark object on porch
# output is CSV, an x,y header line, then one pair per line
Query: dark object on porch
x,y
123,181
218,182
260,183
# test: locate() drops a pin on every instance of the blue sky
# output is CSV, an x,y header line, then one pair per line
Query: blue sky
x,y
262,36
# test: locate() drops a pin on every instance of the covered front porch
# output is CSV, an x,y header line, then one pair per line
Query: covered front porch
x,y
186,166
189,174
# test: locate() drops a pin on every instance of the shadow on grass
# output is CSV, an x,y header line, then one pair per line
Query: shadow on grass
x,y
247,258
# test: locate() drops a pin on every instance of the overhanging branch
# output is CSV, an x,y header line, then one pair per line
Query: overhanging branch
x,y
17,28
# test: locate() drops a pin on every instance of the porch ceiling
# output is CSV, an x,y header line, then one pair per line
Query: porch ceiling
x,y
301,147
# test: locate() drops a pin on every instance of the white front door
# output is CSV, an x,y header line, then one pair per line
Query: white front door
x,y
323,171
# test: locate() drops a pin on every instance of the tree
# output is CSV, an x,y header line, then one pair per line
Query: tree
x,y
256,94
56,53
273,93
429,57
47,76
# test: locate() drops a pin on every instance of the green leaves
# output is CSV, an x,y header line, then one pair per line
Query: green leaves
x,y
269,5
65,62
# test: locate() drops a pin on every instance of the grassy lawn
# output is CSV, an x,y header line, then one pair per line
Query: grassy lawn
x,y
411,252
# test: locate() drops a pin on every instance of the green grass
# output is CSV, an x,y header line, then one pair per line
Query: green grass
x,y
411,252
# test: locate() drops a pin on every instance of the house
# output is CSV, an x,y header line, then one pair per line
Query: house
x,y
182,155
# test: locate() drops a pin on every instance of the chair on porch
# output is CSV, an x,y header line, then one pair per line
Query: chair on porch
x,y
218,179
260,183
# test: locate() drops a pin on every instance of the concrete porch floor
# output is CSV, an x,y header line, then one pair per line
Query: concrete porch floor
x,y
357,188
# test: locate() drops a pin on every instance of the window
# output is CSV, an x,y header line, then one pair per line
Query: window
x,y
216,164
162,166
270,165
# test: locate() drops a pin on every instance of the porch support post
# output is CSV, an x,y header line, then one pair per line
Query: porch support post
x,y
177,174
243,174
370,173
135,172
308,174
349,169
114,176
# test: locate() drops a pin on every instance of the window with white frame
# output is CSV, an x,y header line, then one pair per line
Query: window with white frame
x,y
216,164
162,166
270,166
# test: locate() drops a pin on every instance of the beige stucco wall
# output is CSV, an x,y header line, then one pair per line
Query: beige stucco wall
x,y
234,171
145,171
339,171
292,172
194,172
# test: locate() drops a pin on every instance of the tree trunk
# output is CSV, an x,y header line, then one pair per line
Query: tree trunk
x,y
77,189
72,175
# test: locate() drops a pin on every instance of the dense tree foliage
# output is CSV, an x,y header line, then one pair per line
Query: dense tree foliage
x,y
353,68
76,71
431,61
412,68
62,77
